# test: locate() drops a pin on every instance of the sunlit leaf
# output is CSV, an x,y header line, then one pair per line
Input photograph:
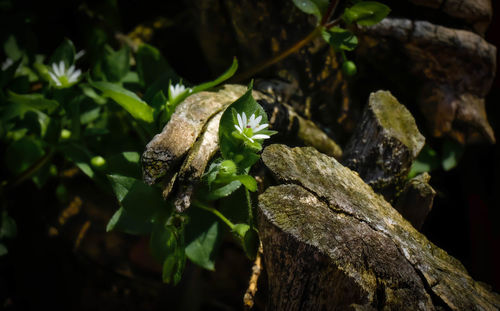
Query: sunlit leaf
x,y
128,100
223,77
366,13
203,238
315,7
340,39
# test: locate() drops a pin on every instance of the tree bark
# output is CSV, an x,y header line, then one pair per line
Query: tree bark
x,y
384,144
331,243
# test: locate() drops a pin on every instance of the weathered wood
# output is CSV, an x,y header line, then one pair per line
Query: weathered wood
x,y
384,144
180,153
331,243
415,201
165,151
476,13
452,71
196,161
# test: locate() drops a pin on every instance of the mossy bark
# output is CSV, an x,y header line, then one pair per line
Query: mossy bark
x,y
384,144
331,243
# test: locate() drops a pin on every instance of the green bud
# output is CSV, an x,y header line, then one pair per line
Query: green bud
x,y
349,68
227,168
65,134
98,161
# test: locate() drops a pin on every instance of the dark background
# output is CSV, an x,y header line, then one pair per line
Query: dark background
x,y
111,271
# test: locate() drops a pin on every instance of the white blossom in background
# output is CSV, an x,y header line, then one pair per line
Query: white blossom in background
x,y
79,55
176,90
62,76
249,128
7,63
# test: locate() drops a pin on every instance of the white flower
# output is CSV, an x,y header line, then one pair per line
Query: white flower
x,y
62,76
79,55
7,63
176,90
249,128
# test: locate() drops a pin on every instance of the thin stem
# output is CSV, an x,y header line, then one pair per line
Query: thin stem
x,y
30,171
294,48
215,212
249,203
329,12
333,23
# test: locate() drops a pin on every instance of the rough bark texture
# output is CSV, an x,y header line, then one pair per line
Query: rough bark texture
x,y
453,71
179,155
415,201
449,67
331,243
476,13
384,144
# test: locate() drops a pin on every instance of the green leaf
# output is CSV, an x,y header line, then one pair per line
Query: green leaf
x,y
315,7
229,145
22,153
116,64
366,13
151,66
249,239
122,221
20,104
141,202
248,181
426,161
175,260
8,228
251,243
79,155
203,238
11,49
223,77
128,100
452,152
224,191
65,52
125,164
163,241
340,39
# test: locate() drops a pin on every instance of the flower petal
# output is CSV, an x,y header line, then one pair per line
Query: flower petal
x,y
244,117
54,78
55,69
62,68
238,128
260,136
260,127
240,121
74,77
70,70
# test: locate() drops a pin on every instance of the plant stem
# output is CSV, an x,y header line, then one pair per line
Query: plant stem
x,y
215,212
249,203
294,48
329,12
30,171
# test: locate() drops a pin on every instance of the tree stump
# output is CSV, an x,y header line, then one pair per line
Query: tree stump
x,y
331,243
384,144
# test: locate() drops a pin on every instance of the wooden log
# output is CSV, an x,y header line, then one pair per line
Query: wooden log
x,y
179,155
452,71
416,199
384,144
331,243
165,151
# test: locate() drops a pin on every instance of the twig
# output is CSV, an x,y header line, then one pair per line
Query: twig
x,y
248,299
